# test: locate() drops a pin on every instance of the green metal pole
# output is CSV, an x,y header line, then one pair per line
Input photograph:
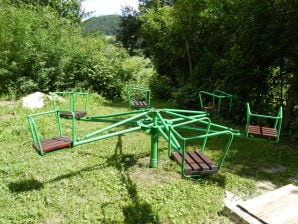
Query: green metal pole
x,y
154,143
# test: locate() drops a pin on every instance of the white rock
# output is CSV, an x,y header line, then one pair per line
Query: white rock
x,y
33,101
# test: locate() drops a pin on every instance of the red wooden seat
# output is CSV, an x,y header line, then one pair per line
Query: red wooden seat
x,y
55,143
195,162
78,114
139,104
210,109
261,131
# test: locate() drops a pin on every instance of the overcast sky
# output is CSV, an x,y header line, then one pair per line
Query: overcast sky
x,y
107,7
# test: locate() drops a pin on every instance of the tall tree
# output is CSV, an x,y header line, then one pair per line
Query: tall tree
x,y
129,29
69,9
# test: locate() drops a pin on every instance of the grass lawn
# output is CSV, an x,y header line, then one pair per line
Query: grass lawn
x,y
109,181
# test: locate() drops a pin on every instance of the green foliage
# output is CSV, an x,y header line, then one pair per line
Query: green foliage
x,y
186,96
30,48
229,45
138,71
68,9
129,27
40,51
161,87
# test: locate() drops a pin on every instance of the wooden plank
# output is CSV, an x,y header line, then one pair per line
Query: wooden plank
x,y
178,158
138,104
276,207
206,159
78,114
210,108
198,159
262,131
192,163
55,143
195,162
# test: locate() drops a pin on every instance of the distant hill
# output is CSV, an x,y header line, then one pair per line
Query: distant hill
x,y
108,25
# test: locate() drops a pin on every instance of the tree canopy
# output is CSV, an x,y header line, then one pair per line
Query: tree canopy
x,y
42,51
246,48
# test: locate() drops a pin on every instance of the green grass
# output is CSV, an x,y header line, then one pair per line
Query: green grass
x,y
110,181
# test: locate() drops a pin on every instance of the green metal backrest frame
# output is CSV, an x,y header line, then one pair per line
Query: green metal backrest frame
x,y
277,120
208,133
72,100
34,127
129,89
216,95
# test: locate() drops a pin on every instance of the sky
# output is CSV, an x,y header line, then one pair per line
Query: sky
x,y
107,7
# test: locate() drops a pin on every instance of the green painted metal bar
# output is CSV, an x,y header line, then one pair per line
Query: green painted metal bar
x,y
161,119
213,125
183,157
181,115
175,144
189,118
198,120
185,111
129,89
72,99
154,143
206,130
277,123
35,134
248,113
279,117
116,124
73,126
84,141
166,126
114,115
205,136
182,119
216,94
227,96
34,128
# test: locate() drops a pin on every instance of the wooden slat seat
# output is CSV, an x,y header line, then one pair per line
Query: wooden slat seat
x,y
139,104
260,131
210,109
196,162
213,109
55,143
78,114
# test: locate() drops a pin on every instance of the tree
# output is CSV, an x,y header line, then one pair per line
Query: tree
x,y
248,48
69,9
129,29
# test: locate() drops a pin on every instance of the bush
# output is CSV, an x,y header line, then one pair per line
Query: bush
x,y
41,51
161,87
186,96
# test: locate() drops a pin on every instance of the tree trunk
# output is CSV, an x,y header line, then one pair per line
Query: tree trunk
x,y
188,56
291,101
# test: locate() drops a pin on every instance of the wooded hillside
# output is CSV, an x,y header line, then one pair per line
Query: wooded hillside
x,y
108,25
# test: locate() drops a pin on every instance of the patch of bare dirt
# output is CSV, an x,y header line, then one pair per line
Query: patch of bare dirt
x,y
146,177
6,117
7,103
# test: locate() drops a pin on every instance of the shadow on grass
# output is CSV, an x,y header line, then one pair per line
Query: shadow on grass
x,y
119,104
32,184
257,159
138,211
25,185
